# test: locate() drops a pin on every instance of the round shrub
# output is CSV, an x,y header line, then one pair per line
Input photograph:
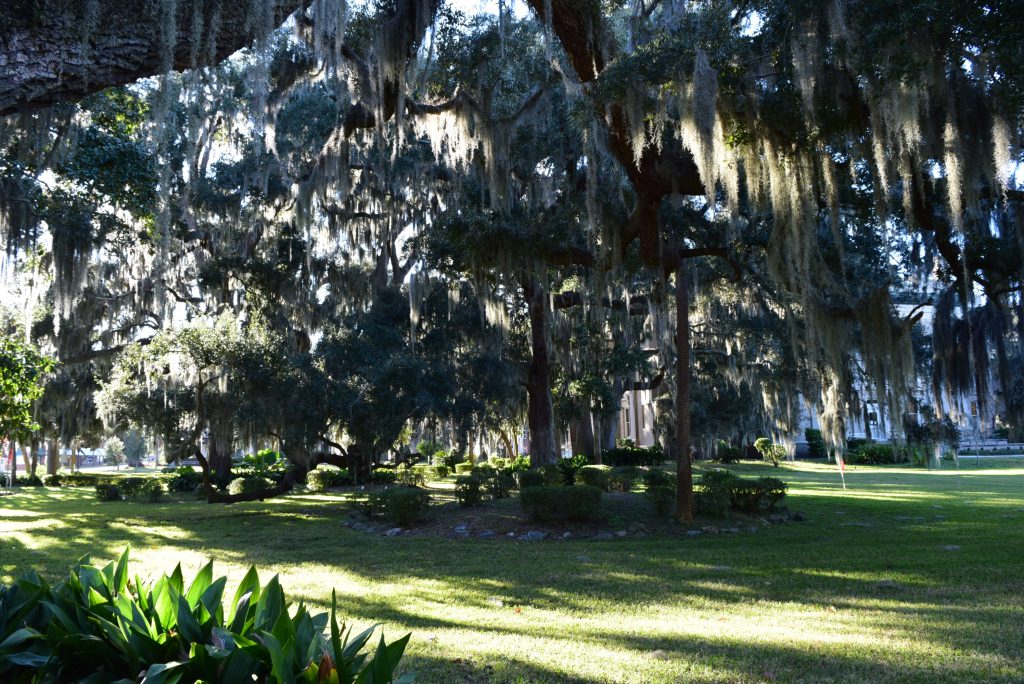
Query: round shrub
x,y
558,504
317,480
423,471
530,478
382,476
248,485
185,479
404,505
441,470
662,497
468,490
622,478
594,476
464,468
656,477
499,463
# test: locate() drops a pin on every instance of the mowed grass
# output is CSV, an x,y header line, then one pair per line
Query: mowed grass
x,y
907,576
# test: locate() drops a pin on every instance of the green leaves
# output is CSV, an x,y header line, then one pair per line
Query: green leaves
x,y
98,626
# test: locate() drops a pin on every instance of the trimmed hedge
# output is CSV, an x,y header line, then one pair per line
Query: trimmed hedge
x,y
622,478
594,476
557,504
468,490
631,455
400,505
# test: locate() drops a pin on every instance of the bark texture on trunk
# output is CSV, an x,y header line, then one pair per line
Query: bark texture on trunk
x,y
684,467
52,457
540,409
48,54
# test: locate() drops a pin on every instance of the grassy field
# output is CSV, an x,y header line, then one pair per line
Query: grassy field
x,y
907,576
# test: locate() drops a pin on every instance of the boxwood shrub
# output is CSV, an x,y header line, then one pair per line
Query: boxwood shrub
x,y
594,476
622,478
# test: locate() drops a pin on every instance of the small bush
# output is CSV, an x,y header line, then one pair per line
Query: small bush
x,y
622,478
719,490
151,491
876,454
424,472
441,470
464,468
557,504
130,486
468,490
815,443
628,454
500,485
28,481
249,485
713,493
531,478
405,475
568,467
54,480
773,453
662,497
317,480
519,463
185,479
499,463
656,477
403,505
594,476
383,476
107,492
400,505
336,477
727,453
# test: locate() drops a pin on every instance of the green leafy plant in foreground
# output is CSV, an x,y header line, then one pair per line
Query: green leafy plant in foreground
x,y
99,625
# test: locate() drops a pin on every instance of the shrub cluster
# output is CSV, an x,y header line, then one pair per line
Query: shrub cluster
x,y
773,453
468,490
871,453
628,454
464,468
97,626
622,478
719,490
185,479
557,504
594,476
815,443
400,505
383,476
249,485
326,475
727,453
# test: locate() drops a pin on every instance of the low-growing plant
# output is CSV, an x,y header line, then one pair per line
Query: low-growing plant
x,y
98,625
400,505
468,490
622,478
662,497
249,485
627,453
558,504
441,470
519,463
185,479
568,467
498,463
727,453
464,468
108,492
531,478
656,477
424,472
773,453
151,491
594,475
815,443
130,486
383,476
317,480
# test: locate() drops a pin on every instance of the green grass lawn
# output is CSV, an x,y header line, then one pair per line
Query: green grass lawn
x,y
907,576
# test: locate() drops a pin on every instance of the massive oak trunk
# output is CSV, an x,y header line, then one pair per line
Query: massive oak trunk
x,y
540,409
684,467
581,435
52,457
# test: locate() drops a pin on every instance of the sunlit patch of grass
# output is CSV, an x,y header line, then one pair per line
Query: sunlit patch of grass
x,y
906,576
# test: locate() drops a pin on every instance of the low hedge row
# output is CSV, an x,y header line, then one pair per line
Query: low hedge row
x,y
557,504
